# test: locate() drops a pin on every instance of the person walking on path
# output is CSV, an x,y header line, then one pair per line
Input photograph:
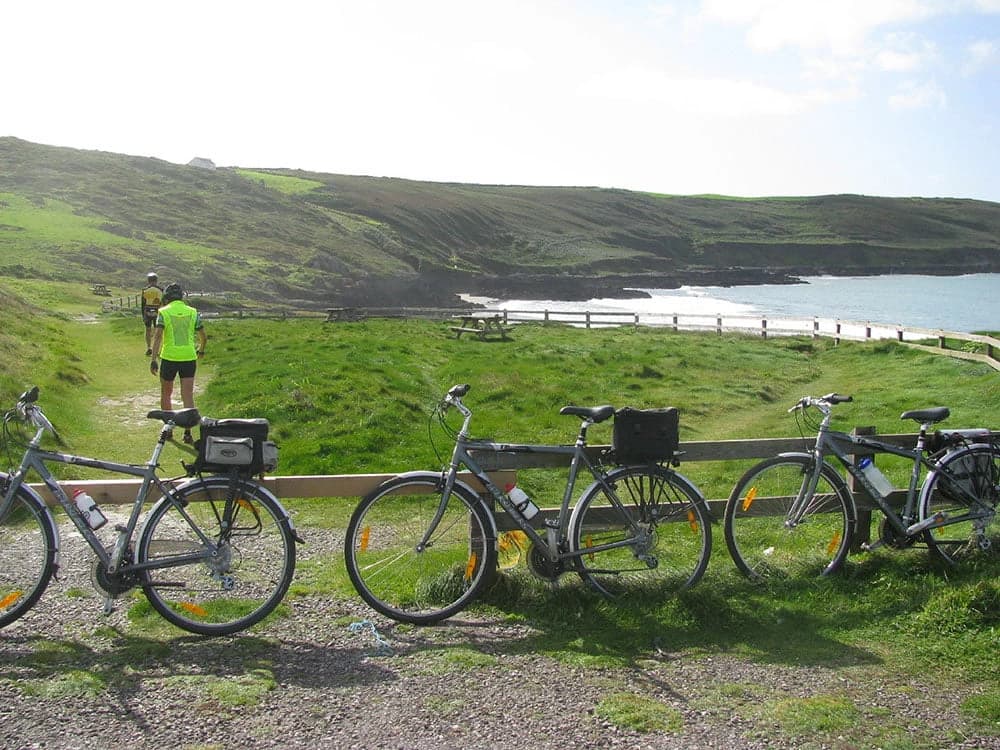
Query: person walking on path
x,y
178,340
151,297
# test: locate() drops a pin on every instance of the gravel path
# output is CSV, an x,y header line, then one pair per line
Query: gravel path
x,y
313,681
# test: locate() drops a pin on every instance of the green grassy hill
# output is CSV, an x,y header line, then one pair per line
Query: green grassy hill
x,y
315,239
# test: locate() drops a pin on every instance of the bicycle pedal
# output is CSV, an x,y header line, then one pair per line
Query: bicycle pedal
x,y
871,546
109,606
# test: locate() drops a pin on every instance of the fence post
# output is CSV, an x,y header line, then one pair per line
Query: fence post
x,y
637,320
836,339
815,328
586,317
868,330
718,324
546,318
899,332
863,533
942,344
675,322
763,328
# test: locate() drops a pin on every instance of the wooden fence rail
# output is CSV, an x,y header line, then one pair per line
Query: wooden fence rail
x,y
502,466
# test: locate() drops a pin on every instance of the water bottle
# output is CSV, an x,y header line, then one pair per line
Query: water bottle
x,y
521,501
88,509
879,480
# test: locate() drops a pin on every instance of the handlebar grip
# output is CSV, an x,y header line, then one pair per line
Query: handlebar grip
x,y
457,391
837,398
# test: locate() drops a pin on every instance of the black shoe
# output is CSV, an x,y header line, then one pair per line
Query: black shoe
x,y
187,437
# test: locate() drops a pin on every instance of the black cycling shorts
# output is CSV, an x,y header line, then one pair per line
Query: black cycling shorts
x,y
169,370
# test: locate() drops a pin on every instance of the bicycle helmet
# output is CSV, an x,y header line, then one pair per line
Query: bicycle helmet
x,y
151,276
173,292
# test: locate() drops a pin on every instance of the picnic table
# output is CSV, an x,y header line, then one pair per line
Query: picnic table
x,y
483,326
334,314
100,289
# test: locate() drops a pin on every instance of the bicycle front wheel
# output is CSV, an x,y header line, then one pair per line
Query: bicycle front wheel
x,y
774,531
27,555
644,528
412,559
221,560
965,485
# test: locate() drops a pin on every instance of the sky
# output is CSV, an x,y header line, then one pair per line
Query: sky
x,y
735,97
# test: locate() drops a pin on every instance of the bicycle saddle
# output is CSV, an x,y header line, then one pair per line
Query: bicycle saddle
x,y
186,418
927,416
594,413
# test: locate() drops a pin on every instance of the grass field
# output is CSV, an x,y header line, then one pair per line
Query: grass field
x,y
355,398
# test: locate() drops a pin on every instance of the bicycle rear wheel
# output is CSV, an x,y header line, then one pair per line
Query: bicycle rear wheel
x,y
243,566
771,536
659,540
400,575
966,483
27,555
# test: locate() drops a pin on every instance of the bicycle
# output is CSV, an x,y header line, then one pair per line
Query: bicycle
x,y
793,514
215,555
421,546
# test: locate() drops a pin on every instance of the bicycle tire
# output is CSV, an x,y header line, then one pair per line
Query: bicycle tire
x,y
28,541
671,549
254,559
765,543
975,469
399,578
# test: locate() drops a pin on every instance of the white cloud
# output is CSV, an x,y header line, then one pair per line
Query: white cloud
x,y
915,95
841,27
904,52
981,55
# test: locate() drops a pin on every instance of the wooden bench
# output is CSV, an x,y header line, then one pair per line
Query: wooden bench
x,y
340,314
100,289
481,326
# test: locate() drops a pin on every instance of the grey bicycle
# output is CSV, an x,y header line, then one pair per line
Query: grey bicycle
x,y
215,554
794,515
422,545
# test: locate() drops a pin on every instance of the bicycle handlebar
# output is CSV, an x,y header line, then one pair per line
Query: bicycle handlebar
x,y
824,402
30,412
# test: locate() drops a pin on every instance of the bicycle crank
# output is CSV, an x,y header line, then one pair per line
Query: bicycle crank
x,y
542,567
113,585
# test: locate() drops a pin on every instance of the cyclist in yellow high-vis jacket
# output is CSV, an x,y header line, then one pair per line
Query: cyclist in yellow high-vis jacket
x,y
151,297
179,339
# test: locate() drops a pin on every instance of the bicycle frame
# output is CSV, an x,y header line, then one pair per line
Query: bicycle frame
x,y
35,458
843,445
557,529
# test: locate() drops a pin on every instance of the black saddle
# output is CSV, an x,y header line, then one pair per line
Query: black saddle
x,y
594,413
927,416
186,418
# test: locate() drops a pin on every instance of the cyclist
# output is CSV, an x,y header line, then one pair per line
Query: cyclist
x,y
151,298
178,340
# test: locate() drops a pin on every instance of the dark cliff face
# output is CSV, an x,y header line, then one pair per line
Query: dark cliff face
x,y
442,289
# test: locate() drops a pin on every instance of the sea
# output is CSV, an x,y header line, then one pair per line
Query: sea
x,y
964,304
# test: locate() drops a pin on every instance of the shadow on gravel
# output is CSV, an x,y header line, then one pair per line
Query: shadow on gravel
x,y
123,665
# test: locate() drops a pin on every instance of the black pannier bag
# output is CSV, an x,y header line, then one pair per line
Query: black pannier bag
x,y
240,445
645,435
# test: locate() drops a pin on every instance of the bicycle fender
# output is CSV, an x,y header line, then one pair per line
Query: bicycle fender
x,y
213,481
27,490
460,487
